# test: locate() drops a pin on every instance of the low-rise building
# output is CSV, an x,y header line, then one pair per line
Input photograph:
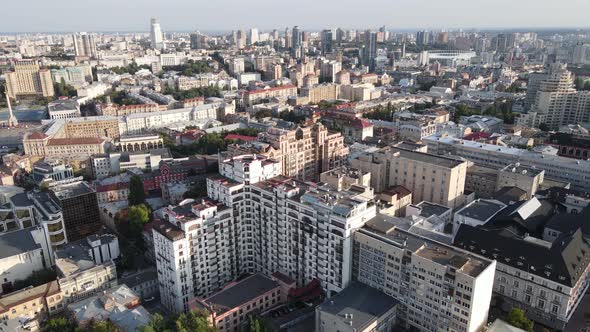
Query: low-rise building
x,y
357,308
230,308
63,109
119,305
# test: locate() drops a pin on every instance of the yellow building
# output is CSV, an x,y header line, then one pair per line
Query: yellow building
x,y
28,79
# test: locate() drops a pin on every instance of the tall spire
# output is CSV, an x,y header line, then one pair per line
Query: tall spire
x,y
12,121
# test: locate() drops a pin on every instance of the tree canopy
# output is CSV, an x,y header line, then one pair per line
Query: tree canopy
x,y
136,191
193,321
62,89
516,317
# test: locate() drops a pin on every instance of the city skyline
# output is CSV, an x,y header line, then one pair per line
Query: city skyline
x,y
225,15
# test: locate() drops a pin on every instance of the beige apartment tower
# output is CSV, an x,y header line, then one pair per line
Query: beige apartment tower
x,y
29,80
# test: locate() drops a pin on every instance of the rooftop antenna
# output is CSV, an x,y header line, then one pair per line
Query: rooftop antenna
x,y
12,121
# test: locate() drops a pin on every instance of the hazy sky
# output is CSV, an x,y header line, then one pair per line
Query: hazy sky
x,y
133,15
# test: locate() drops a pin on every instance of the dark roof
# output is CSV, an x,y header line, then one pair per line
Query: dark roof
x,y
567,222
563,261
481,209
508,195
17,242
511,220
366,304
21,200
240,293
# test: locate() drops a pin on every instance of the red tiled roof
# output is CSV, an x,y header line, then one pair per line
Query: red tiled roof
x,y
477,135
74,140
37,135
239,137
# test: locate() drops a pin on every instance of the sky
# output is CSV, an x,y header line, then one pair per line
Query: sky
x,y
217,15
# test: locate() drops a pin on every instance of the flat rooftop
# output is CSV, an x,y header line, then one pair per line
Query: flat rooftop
x,y
16,243
482,209
363,303
241,292
71,190
427,157
431,209
437,252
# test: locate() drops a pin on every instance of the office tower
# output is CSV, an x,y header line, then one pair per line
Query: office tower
x,y
79,206
369,49
256,220
253,36
196,40
156,37
439,288
326,41
84,45
28,80
432,178
422,38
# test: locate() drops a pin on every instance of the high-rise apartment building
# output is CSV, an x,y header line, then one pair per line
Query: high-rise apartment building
x,y
440,288
432,178
28,80
84,45
156,36
196,40
306,152
253,36
256,220
556,101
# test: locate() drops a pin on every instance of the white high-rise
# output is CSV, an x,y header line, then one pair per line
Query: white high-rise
x,y
256,220
254,36
156,36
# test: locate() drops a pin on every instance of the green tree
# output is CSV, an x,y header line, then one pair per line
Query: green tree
x,y
517,318
138,216
136,191
62,89
194,321
57,324
263,114
103,326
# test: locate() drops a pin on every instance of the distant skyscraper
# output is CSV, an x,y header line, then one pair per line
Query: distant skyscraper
x,y
254,37
241,39
326,41
84,45
422,38
369,49
156,37
340,36
196,40
297,38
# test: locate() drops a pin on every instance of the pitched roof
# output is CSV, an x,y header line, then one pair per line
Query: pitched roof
x,y
562,261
